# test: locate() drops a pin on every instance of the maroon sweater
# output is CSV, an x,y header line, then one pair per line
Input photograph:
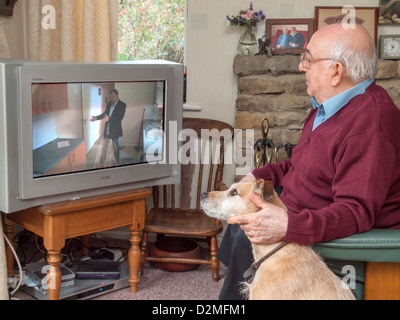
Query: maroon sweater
x,y
343,177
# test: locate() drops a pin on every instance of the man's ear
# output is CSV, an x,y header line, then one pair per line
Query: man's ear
x,y
265,189
338,73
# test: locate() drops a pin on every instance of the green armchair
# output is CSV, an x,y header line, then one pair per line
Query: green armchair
x,y
370,261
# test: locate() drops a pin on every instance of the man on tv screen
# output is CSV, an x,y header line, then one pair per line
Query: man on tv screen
x,y
113,115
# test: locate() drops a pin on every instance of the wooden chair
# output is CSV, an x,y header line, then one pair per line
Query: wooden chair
x,y
182,220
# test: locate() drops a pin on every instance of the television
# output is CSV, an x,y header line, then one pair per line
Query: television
x,y
74,130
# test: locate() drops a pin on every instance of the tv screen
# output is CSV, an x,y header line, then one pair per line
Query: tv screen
x,y
90,126
74,130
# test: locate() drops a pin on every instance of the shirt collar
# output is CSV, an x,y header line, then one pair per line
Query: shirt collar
x,y
334,104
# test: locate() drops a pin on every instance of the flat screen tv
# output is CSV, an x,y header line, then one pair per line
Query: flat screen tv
x,y
73,130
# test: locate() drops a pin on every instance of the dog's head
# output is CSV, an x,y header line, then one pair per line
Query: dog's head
x,y
236,200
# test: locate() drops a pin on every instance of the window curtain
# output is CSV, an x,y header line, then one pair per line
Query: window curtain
x,y
4,50
3,267
72,30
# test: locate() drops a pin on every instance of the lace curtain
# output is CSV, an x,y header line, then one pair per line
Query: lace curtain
x,y
72,30
3,267
4,50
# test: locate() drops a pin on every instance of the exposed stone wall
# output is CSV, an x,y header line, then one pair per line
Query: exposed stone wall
x,y
274,88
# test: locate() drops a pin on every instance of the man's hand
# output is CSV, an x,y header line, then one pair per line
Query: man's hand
x,y
267,226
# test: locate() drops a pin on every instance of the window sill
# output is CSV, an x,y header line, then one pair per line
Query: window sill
x,y
191,107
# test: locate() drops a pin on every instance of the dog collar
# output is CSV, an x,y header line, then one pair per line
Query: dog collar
x,y
249,274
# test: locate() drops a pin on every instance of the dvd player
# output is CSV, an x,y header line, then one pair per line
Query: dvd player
x,y
86,289
103,269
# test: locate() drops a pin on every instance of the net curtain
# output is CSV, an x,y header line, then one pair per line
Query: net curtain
x,y
3,267
4,50
72,30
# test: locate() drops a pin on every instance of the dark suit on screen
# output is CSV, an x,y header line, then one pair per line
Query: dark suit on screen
x,y
112,128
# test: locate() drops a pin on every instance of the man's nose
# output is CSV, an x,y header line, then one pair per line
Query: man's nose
x,y
301,68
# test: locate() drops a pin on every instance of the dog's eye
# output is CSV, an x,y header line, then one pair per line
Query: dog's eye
x,y
233,193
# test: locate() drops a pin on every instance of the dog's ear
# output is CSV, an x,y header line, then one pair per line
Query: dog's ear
x,y
259,187
265,189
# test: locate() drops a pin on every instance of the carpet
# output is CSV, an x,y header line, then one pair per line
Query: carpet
x,y
155,283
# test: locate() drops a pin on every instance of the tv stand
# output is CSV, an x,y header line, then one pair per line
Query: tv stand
x,y
69,219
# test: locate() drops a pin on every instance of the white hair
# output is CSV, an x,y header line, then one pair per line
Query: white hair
x,y
360,61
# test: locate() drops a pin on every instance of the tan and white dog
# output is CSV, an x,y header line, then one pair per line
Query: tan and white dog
x,y
295,271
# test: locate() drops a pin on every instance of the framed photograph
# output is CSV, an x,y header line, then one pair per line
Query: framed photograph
x,y
389,12
365,16
7,7
289,35
389,46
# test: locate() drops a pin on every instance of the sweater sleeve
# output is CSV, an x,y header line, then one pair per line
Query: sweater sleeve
x,y
364,172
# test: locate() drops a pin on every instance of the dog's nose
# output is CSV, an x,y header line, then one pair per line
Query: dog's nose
x,y
204,195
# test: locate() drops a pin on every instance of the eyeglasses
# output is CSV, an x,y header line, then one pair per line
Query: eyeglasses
x,y
305,62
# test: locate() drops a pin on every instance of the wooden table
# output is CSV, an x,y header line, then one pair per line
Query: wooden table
x,y
69,219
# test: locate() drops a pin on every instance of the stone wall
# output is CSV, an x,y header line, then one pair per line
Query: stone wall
x,y
274,88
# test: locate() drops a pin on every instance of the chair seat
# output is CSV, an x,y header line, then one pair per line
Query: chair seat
x,y
376,245
176,222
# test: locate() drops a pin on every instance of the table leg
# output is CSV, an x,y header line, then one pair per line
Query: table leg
x,y
86,240
54,241
9,233
134,259
54,274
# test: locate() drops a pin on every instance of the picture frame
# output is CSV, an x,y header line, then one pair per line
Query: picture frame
x,y
389,46
365,16
280,42
389,12
7,7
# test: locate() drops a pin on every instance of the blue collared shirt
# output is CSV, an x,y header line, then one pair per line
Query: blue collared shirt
x,y
329,107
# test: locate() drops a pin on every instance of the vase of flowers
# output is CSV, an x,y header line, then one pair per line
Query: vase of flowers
x,y
247,19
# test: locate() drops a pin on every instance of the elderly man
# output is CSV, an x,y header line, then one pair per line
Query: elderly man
x,y
296,39
344,176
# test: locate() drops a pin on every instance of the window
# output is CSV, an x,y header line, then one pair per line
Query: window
x,y
151,29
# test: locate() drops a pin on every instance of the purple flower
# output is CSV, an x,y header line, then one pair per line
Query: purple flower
x,y
246,17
